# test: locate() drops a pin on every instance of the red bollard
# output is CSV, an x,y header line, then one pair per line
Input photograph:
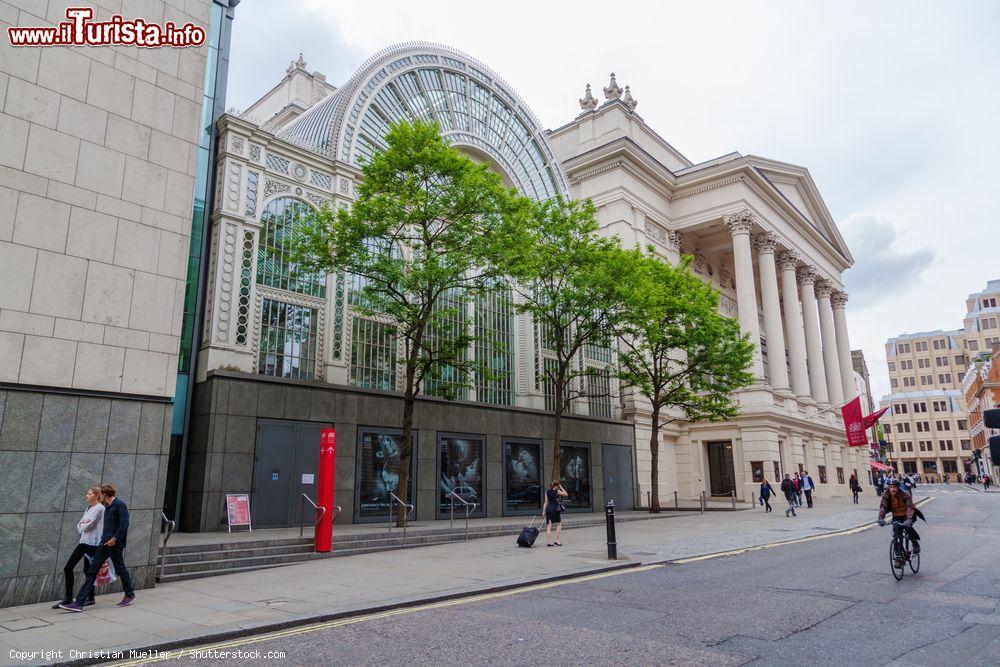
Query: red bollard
x,y
324,489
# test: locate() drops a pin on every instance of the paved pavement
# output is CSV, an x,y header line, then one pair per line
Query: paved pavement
x,y
240,603
820,601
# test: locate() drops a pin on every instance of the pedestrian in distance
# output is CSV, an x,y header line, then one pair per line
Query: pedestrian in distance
x,y
788,488
797,483
855,488
111,547
90,526
807,486
765,494
552,510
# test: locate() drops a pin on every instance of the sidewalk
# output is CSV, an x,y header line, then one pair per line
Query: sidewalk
x,y
181,613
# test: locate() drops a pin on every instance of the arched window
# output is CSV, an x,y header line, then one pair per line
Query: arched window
x,y
280,221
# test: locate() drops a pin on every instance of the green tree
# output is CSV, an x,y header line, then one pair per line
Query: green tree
x,y
679,352
573,284
421,239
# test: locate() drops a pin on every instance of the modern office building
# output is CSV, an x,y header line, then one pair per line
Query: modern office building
x,y
99,159
928,425
284,355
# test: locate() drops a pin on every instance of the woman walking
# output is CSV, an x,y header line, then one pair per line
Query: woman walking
x,y
90,527
552,510
765,494
855,488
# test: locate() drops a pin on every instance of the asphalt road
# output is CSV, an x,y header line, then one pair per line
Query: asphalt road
x,y
828,601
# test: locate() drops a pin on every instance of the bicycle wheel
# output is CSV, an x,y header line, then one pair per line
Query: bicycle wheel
x,y
914,558
896,560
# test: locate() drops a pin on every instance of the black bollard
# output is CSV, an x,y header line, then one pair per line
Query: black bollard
x,y
609,515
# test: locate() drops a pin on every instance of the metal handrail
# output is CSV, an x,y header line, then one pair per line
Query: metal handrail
x,y
409,510
171,526
468,506
302,511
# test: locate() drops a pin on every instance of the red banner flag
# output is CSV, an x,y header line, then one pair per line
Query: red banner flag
x,y
872,419
853,424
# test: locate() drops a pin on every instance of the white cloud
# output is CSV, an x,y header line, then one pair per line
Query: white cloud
x,y
883,267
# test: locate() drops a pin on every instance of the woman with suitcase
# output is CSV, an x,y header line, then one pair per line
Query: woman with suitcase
x,y
552,510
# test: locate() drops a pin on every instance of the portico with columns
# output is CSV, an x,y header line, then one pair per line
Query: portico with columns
x,y
759,232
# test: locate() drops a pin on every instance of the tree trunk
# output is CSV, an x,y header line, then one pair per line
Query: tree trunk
x,y
654,460
557,435
405,457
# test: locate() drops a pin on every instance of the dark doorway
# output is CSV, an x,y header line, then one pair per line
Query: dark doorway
x,y
618,485
285,464
720,468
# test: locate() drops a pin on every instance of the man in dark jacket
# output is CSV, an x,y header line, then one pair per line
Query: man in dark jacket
x,y
112,546
900,504
788,488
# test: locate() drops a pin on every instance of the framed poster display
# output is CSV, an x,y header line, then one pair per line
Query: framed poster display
x,y
378,470
461,458
574,466
522,480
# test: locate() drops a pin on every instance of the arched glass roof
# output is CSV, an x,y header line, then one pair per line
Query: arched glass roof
x,y
473,106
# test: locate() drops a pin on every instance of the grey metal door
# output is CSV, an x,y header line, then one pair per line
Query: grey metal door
x,y
285,465
618,485
274,464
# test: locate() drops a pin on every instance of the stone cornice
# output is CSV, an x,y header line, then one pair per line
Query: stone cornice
x,y
707,188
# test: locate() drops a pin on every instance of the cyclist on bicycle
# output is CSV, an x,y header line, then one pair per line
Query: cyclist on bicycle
x,y
900,504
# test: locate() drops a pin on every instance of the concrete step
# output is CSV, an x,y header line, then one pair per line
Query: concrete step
x,y
200,569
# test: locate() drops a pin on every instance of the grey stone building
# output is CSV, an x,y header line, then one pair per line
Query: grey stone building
x,y
99,156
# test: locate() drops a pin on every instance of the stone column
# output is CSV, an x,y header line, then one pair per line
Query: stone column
x,y
839,302
814,356
765,244
831,359
740,225
788,262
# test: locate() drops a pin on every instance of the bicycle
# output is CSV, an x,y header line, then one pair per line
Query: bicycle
x,y
900,554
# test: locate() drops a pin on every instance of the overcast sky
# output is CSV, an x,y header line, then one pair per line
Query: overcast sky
x,y
894,108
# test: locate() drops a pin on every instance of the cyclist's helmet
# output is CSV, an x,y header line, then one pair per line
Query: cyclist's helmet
x,y
894,482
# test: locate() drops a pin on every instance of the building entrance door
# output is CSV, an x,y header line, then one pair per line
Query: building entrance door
x,y
720,468
618,484
285,463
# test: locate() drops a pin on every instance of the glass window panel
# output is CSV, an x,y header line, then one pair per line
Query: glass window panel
x,y
287,340
373,354
280,221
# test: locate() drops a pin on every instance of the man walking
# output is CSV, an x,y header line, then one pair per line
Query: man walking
x,y
797,484
788,488
808,487
111,546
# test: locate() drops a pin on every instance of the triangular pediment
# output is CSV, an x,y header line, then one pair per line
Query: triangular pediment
x,y
796,187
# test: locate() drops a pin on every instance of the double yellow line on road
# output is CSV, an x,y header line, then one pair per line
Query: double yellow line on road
x,y
352,620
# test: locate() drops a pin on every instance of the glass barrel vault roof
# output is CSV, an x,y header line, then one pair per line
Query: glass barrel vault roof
x,y
473,106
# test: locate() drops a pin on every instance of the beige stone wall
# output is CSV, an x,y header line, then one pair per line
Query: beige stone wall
x,y
97,169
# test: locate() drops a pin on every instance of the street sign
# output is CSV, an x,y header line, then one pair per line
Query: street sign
x,y
238,510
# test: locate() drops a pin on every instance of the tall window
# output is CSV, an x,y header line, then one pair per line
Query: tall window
x,y
599,393
280,221
447,325
494,330
287,340
373,354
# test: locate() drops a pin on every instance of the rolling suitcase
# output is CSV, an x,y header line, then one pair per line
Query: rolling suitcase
x,y
528,535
